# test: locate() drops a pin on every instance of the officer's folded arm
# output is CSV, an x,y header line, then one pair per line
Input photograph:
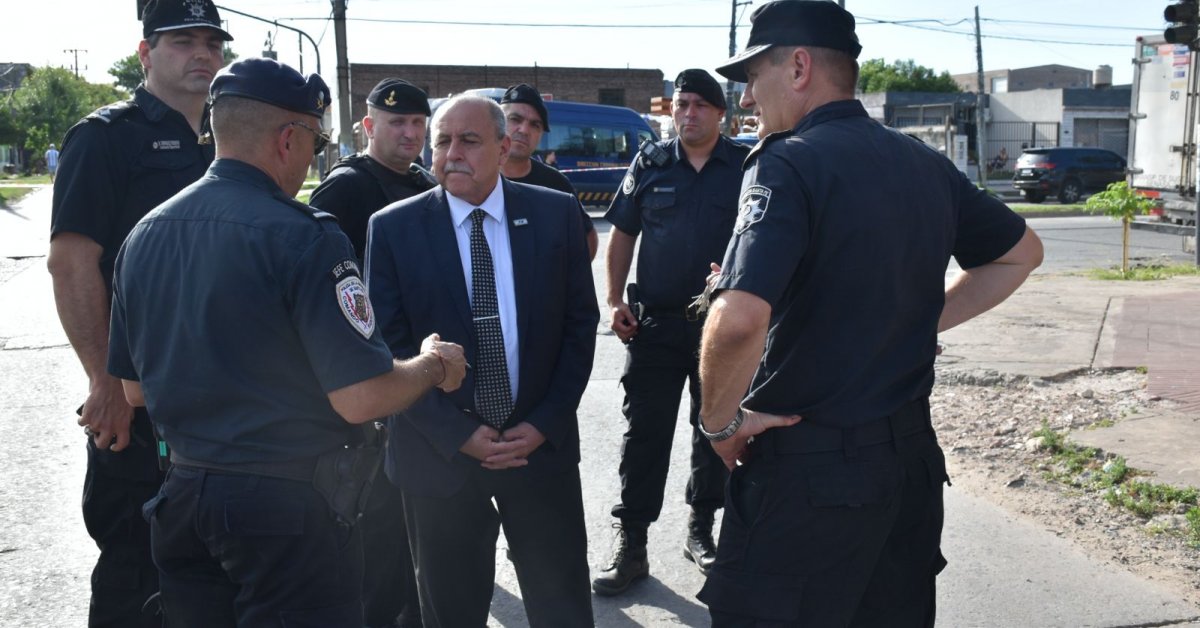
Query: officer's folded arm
x,y
977,290
440,365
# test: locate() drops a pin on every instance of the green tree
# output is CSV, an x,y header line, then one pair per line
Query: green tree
x,y
1120,202
875,75
128,72
48,102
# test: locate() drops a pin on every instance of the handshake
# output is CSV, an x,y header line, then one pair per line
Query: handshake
x,y
450,356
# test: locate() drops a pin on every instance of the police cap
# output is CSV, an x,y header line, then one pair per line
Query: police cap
x,y
816,23
399,96
703,85
523,93
274,83
161,16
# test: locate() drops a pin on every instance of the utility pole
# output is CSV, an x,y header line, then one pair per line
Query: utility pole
x,y
980,136
75,52
734,4
345,132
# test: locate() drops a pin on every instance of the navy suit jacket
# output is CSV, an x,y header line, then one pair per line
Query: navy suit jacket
x,y
417,287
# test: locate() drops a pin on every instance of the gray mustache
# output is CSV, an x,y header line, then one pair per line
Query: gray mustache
x,y
452,166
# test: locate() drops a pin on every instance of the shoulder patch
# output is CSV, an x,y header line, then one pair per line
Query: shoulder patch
x,y
353,301
627,184
752,206
113,112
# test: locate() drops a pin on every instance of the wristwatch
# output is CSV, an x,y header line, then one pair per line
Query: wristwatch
x,y
729,430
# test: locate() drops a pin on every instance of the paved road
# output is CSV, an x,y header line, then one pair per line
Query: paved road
x,y
1003,570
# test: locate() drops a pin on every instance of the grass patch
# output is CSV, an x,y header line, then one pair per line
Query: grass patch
x,y
8,196
1146,499
1035,209
31,180
1086,468
1148,272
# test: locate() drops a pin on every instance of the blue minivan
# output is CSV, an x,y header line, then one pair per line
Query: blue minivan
x,y
591,144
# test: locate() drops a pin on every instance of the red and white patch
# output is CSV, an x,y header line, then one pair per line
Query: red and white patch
x,y
352,298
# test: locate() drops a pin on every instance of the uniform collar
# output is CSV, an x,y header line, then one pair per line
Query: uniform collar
x,y
226,168
154,109
720,151
830,111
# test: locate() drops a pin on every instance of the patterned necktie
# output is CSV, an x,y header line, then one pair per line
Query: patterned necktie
x,y
493,392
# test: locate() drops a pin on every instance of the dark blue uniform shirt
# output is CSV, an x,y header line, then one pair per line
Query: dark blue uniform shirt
x,y
845,228
119,163
684,217
238,309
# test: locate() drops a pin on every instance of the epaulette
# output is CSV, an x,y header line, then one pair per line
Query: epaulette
x,y
113,112
422,177
307,210
764,142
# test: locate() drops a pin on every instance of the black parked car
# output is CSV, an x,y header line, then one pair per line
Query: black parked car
x,y
1067,173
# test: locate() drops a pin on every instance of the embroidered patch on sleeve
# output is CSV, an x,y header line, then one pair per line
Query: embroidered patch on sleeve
x,y
627,184
352,298
752,206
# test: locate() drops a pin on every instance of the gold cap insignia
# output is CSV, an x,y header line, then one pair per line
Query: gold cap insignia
x,y
320,100
391,99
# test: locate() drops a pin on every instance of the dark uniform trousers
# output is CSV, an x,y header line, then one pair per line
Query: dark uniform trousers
x,y
390,588
827,527
114,489
453,542
248,550
660,360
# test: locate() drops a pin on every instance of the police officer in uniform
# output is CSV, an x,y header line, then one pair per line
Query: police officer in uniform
x,y
681,197
116,165
356,187
362,184
827,310
240,319
527,119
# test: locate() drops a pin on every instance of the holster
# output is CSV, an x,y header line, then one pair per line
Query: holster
x,y
344,476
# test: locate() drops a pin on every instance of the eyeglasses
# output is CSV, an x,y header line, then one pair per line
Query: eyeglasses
x,y
320,139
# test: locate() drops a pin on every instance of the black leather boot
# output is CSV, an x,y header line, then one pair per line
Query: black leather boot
x,y
629,563
699,547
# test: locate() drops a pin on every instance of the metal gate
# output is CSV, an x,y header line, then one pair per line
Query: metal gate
x,y
1006,140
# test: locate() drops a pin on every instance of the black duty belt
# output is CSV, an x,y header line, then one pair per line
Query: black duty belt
x,y
689,312
807,437
298,470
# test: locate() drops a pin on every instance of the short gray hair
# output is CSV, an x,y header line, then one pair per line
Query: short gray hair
x,y
498,118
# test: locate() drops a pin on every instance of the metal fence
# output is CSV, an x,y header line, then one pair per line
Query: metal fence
x,y
1006,140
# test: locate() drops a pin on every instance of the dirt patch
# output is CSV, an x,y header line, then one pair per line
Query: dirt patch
x,y
986,423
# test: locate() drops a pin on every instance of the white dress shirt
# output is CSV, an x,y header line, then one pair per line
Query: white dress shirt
x,y
495,229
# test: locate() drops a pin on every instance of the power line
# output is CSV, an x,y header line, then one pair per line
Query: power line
x,y
1063,24
916,23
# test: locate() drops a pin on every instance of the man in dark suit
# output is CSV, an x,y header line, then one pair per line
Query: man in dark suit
x,y
501,268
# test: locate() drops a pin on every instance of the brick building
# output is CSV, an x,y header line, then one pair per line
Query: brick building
x,y
607,86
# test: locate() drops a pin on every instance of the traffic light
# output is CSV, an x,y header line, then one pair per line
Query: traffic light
x,y
1185,23
660,105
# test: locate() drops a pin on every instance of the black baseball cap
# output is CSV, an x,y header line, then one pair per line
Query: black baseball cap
x,y
816,23
269,81
703,85
399,96
529,95
161,16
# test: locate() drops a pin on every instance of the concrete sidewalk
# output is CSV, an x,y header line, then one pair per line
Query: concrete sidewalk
x,y
1056,325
